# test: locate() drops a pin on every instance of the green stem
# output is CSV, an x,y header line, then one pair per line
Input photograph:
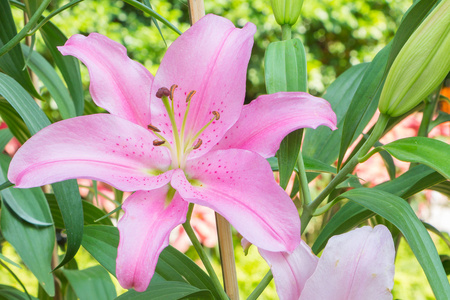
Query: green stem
x,y
428,113
303,180
377,132
24,32
202,254
261,286
286,32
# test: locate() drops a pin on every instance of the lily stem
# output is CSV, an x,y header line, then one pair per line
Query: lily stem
x,y
261,286
306,195
202,254
377,132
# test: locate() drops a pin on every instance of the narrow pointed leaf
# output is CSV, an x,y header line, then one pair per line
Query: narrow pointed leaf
x,y
399,213
10,293
102,241
91,283
364,102
33,244
47,74
12,62
427,151
27,204
352,214
15,123
168,291
66,192
285,71
321,143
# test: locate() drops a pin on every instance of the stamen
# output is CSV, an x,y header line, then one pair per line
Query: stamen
x,y
158,142
216,114
198,144
189,96
172,90
162,92
153,128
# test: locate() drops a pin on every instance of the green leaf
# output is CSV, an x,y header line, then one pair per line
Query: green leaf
x,y
427,151
52,82
33,244
285,71
66,192
2,257
399,213
152,13
441,118
311,165
91,283
10,293
102,242
12,62
170,290
68,65
285,67
351,214
443,188
5,137
15,123
28,204
91,213
322,143
364,102
147,3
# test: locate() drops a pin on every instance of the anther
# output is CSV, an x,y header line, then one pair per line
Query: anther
x,y
190,95
198,144
216,114
153,128
158,142
172,90
163,92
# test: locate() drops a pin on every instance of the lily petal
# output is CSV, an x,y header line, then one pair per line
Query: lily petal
x,y
355,265
118,84
291,271
268,119
211,58
101,147
239,185
144,233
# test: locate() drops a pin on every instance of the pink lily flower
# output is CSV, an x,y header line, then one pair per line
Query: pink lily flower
x,y
356,265
195,143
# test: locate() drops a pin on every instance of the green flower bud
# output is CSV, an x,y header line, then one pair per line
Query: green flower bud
x,y
420,66
286,11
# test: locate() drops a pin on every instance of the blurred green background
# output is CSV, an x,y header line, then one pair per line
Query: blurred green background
x,y
336,33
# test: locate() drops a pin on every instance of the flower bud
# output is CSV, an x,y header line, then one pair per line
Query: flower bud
x,y
420,66
286,11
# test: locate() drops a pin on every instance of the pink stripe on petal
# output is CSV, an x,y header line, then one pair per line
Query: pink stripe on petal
x,y
144,233
101,147
355,265
268,119
291,271
211,58
118,84
240,186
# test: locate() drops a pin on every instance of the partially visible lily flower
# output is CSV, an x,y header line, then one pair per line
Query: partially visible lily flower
x,y
181,136
356,265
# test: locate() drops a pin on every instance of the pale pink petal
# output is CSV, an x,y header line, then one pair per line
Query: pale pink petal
x,y
268,119
240,185
211,58
118,84
355,265
291,271
144,233
101,147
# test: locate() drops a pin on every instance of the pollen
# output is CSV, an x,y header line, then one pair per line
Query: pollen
x,y
158,142
216,114
198,144
153,128
172,90
190,95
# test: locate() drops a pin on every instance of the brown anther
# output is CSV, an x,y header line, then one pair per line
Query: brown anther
x,y
190,95
216,114
158,142
153,128
163,92
198,144
172,90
